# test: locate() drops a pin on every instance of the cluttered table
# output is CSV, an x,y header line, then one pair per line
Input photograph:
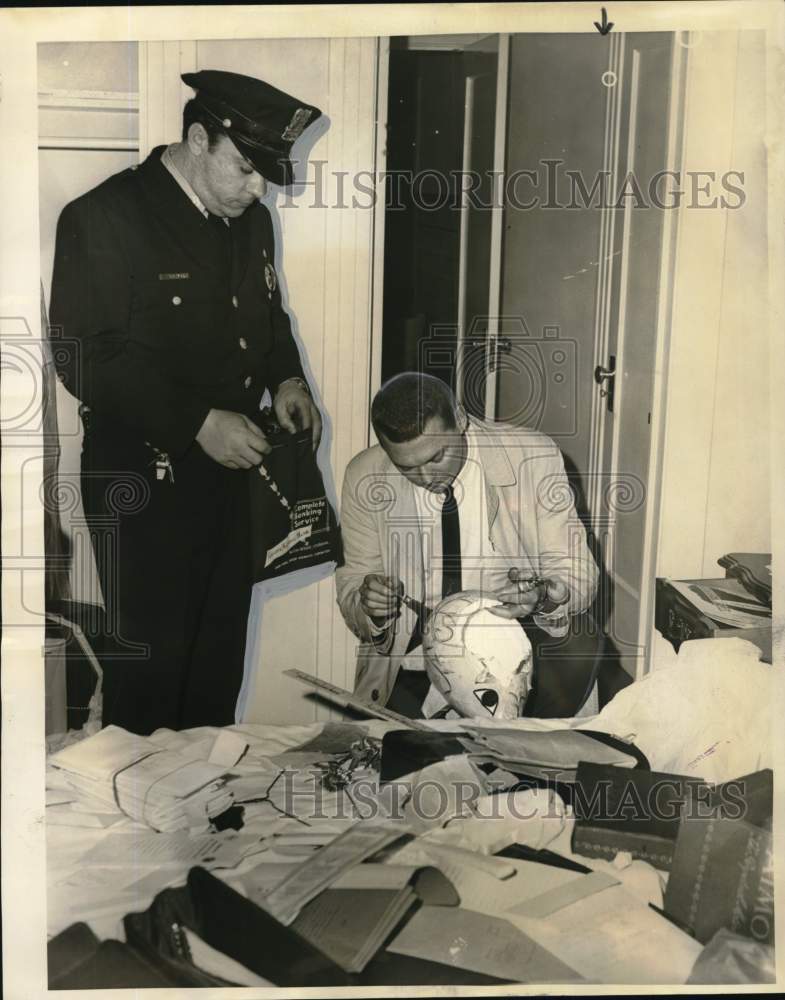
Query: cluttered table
x,y
358,853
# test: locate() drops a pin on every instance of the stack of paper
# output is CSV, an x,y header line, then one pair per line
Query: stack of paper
x,y
724,602
157,787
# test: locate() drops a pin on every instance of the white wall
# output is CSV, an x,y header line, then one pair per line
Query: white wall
x,y
88,128
716,482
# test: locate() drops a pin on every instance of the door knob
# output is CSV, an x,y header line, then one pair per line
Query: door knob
x,y
606,375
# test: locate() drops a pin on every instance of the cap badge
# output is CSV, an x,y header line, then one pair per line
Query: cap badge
x,y
227,123
295,127
269,277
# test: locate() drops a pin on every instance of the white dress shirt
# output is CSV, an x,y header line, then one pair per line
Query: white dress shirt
x,y
482,567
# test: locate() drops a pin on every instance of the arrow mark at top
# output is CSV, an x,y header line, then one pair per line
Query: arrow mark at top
x,y
606,25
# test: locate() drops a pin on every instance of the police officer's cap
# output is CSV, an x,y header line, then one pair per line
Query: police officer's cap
x,y
262,121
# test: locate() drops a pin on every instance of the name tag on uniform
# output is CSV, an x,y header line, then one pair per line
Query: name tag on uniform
x,y
174,276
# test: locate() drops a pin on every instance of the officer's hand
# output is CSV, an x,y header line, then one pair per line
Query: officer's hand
x,y
380,596
296,411
231,439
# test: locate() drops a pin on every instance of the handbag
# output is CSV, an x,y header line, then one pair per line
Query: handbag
x,y
293,524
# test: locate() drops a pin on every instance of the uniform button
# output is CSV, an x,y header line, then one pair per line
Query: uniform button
x,y
264,252
375,695
235,301
243,343
269,295
176,300
247,382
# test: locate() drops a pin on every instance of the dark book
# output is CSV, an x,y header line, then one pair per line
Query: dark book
x,y
621,809
641,812
722,876
750,798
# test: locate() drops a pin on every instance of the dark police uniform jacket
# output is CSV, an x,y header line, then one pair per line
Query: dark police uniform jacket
x,y
163,315
157,327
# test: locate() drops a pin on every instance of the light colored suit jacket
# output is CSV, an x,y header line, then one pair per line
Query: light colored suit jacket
x,y
532,523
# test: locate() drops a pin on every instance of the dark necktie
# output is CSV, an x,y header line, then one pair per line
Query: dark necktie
x,y
451,545
451,559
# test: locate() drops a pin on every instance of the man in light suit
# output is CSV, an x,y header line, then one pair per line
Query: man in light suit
x,y
446,502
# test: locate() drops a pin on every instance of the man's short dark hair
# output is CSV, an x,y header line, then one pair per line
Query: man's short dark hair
x,y
194,112
406,402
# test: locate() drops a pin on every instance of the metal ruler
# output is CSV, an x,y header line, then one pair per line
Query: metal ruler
x,y
347,698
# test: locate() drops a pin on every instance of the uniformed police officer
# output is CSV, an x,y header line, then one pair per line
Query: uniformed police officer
x,y
166,296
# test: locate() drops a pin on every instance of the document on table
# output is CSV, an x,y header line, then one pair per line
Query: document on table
x,y
613,937
375,876
481,943
486,892
558,897
137,849
451,860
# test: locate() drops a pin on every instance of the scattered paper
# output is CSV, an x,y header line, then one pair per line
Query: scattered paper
x,y
136,849
555,899
612,937
490,945
375,876
58,797
448,859
721,603
441,792
227,750
64,815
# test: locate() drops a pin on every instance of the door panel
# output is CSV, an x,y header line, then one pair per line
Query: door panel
x,y
580,283
550,250
474,258
627,428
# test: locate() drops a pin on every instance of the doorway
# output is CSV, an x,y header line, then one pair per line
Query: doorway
x,y
437,249
542,298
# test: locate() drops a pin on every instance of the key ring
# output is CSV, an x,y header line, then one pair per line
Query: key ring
x,y
529,584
